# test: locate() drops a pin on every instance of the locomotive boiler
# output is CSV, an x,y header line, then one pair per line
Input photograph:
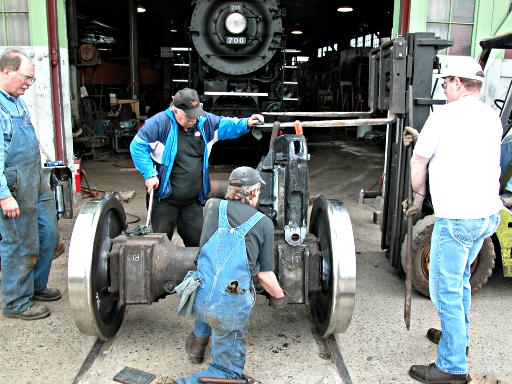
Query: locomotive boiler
x,y
239,57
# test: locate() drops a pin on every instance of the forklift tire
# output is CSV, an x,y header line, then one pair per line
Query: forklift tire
x,y
481,269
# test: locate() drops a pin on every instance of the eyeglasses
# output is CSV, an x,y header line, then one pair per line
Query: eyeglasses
x,y
445,84
28,79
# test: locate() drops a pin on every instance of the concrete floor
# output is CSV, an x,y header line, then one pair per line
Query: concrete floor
x,y
282,348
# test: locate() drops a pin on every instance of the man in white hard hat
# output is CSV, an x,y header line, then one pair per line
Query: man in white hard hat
x,y
459,147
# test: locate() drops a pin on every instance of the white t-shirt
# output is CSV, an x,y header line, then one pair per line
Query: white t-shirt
x,y
462,140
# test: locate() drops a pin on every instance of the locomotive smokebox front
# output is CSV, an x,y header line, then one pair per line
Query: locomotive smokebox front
x,y
237,38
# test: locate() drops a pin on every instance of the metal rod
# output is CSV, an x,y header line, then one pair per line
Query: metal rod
x,y
218,188
150,207
337,123
320,114
396,226
215,380
408,260
276,126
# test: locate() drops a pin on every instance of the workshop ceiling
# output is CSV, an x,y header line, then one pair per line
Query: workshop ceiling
x,y
107,22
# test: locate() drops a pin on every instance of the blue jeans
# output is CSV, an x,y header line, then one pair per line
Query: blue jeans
x,y
27,259
228,353
454,246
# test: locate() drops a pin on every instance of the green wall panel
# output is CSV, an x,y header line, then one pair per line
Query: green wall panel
x,y
63,31
396,19
492,17
38,22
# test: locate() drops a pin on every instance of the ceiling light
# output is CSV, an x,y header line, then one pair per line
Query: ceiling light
x,y
174,30
345,9
296,32
140,8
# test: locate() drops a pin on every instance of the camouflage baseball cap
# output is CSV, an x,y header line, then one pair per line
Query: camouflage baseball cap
x,y
187,100
245,177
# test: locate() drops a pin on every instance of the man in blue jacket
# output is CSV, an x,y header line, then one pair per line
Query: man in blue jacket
x,y
171,152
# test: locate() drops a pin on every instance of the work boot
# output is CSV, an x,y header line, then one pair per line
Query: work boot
x,y
433,375
434,335
47,294
196,347
34,312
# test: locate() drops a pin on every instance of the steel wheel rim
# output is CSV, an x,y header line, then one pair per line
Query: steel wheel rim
x,y
332,308
94,309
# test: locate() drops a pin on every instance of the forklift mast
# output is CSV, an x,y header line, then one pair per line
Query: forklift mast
x,y
401,83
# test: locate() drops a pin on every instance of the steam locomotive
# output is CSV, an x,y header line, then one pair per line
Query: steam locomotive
x,y
239,60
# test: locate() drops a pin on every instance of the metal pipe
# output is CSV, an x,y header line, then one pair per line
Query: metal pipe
x,y
408,256
215,380
218,188
405,16
276,126
74,79
51,9
134,63
337,123
320,114
396,224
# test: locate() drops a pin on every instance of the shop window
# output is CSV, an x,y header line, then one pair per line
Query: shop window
x,y
371,40
14,27
452,19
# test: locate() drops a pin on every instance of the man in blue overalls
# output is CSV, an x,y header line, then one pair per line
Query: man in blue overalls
x,y
28,223
236,245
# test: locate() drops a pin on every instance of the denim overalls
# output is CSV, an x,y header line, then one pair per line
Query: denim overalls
x,y
224,298
28,241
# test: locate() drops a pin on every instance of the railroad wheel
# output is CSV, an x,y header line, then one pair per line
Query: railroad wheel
x,y
481,269
95,311
332,307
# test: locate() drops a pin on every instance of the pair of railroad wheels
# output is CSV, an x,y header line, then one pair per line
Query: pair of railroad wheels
x,y
97,312
481,269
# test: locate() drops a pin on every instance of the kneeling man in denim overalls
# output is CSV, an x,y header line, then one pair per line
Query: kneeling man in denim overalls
x,y
236,244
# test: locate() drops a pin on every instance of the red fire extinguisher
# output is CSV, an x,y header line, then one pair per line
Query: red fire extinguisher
x,y
78,177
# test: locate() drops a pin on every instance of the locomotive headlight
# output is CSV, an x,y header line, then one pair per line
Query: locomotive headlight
x,y
236,23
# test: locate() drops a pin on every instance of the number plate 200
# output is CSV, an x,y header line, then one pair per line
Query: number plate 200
x,y
235,40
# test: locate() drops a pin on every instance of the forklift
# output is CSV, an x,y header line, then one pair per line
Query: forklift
x,y
495,249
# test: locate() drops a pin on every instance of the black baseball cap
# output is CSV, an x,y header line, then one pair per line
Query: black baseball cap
x,y
245,177
187,100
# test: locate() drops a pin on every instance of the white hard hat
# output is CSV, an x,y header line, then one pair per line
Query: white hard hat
x,y
463,66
